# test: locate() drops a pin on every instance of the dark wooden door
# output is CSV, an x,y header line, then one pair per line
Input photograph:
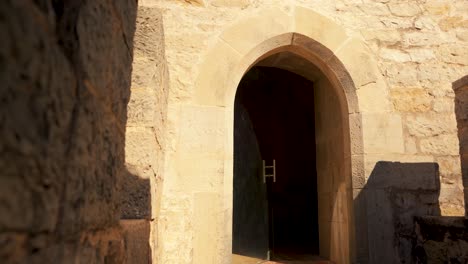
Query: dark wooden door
x,y
250,206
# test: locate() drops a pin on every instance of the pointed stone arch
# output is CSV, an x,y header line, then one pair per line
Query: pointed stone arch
x,y
203,169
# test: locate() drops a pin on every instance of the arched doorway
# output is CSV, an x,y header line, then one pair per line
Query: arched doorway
x,y
274,121
197,198
297,121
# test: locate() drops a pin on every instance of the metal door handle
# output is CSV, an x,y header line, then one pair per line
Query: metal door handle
x,y
269,175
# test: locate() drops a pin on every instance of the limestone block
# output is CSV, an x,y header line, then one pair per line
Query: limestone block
x,y
439,74
401,74
446,144
141,147
444,105
451,201
355,130
358,172
449,164
244,36
202,130
457,54
231,3
431,124
373,98
175,225
220,63
354,54
207,214
396,22
421,55
202,172
394,55
411,99
462,35
375,9
382,133
425,23
389,36
141,108
407,9
449,23
437,7
411,146
424,38
319,28
144,72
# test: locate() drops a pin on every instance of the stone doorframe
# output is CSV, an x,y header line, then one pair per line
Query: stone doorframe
x,y
195,220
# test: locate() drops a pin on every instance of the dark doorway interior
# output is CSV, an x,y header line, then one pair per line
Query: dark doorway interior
x,y
274,119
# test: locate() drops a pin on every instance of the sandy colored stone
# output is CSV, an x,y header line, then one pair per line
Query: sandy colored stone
x,y
449,23
395,55
430,124
389,37
457,54
411,99
382,133
407,9
446,144
437,7
230,3
421,55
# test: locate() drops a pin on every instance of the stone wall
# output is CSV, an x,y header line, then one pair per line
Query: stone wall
x,y
419,47
405,104
65,70
145,142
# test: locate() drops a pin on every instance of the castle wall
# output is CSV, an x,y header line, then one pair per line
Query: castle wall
x,y
405,104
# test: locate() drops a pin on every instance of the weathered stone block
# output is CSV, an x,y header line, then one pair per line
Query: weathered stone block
x,y
446,144
430,124
411,99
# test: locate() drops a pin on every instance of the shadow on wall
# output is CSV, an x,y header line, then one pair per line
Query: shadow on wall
x,y
385,209
136,216
461,110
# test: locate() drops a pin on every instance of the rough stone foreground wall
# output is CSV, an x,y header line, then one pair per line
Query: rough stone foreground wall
x,y
65,69
144,148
